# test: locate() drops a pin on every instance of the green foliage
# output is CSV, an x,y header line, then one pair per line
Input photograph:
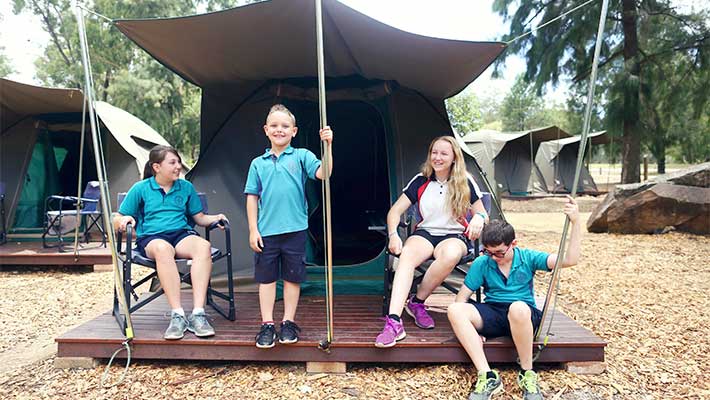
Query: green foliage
x,y
638,35
523,109
464,113
5,65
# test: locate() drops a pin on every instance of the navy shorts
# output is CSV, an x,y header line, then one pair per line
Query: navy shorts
x,y
436,239
495,318
173,238
283,256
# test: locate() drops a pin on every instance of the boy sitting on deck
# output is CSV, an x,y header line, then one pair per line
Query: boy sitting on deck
x,y
278,221
506,274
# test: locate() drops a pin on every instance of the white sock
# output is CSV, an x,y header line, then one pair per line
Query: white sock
x,y
179,311
198,310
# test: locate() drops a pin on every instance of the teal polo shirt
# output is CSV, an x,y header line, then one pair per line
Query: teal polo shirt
x,y
280,183
519,285
158,212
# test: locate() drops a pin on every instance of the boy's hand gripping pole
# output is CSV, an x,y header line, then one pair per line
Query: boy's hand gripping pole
x,y
325,185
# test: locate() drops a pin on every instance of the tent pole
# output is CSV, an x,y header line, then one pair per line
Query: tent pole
x,y
105,204
554,280
325,150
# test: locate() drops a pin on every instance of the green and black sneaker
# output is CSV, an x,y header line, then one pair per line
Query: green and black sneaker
x,y
486,387
528,383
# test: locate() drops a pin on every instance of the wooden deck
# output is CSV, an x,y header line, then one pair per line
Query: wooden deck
x,y
357,322
32,253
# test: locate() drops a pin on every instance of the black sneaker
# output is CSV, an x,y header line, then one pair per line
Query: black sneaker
x,y
289,332
266,337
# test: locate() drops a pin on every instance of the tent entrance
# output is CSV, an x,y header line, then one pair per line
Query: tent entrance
x,y
52,170
359,184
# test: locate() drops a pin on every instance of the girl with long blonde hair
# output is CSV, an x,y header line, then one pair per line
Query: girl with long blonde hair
x,y
451,215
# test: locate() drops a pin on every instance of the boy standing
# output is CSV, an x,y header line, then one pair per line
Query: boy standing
x,y
278,221
506,273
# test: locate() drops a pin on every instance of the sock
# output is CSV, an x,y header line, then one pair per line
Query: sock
x,y
267,322
523,371
395,317
490,375
415,299
198,310
179,311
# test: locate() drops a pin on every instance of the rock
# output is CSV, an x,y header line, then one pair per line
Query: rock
x,y
687,208
680,200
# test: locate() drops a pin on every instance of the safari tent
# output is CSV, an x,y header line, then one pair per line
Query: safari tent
x,y
385,102
507,158
557,160
40,149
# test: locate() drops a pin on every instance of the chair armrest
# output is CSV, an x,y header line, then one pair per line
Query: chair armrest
x,y
216,224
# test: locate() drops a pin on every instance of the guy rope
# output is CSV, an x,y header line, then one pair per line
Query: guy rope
x,y
552,290
105,201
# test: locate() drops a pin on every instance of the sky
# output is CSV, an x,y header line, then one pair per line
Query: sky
x,y
23,38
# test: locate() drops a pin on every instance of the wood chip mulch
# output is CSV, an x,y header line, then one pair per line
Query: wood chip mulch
x,y
646,295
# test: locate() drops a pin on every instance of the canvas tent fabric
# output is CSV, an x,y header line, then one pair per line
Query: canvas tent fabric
x,y
507,157
557,161
385,90
39,145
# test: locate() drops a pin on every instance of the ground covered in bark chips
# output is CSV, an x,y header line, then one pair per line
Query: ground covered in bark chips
x,y
646,295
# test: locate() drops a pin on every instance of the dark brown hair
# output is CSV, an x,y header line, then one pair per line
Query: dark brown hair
x,y
497,232
156,156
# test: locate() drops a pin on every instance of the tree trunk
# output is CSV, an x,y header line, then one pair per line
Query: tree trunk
x,y
631,151
661,160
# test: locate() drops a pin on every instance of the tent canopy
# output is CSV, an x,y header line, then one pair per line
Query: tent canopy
x,y
507,157
18,101
385,92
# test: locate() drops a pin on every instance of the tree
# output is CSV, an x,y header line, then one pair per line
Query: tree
x,y
565,47
464,113
5,65
520,106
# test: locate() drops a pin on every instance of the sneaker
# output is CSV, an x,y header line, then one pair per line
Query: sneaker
x,y
392,332
528,383
289,332
198,324
266,337
422,318
486,387
176,329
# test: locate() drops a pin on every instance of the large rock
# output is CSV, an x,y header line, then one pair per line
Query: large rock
x,y
680,200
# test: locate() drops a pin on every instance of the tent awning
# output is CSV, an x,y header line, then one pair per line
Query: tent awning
x,y
234,46
18,100
553,147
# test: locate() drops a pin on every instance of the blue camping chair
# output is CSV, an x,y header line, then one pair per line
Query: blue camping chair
x,y
56,208
461,267
130,256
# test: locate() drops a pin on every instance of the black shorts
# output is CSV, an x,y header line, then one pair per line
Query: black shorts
x,y
436,239
283,256
495,318
173,238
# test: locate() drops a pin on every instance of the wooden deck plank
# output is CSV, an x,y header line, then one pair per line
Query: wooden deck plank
x,y
32,253
357,322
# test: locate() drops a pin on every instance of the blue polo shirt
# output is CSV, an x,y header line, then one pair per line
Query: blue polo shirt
x,y
280,183
519,285
158,212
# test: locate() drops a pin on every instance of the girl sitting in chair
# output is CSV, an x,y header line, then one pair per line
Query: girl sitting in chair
x,y
444,194
158,207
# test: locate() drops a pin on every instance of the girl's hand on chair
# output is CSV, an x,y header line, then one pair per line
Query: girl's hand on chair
x,y
474,228
220,217
395,245
125,220
255,241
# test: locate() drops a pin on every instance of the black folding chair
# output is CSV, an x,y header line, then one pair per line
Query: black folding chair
x,y
57,208
131,256
3,232
461,267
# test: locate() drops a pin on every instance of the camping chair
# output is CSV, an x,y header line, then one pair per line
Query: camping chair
x,y
56,208
131,256
3,233
461,267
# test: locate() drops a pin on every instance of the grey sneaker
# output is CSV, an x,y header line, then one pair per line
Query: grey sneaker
x,y
176,329
528,383
486,387
198,324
